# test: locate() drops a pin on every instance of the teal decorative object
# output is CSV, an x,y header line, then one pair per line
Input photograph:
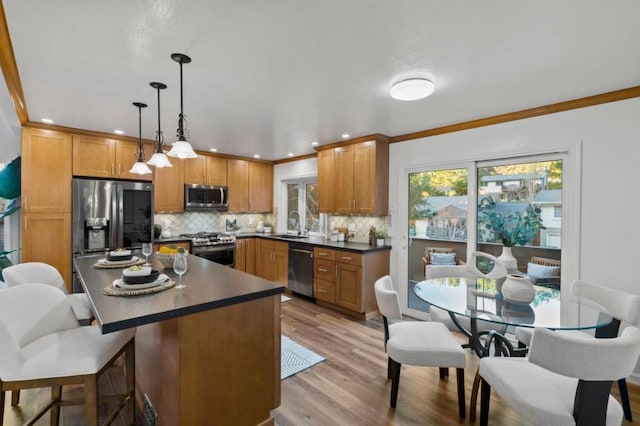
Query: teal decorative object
x,y
9,190
10,180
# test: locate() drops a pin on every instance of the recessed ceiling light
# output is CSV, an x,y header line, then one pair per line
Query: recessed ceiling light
x,y
213,149
47,120
412,89
290,154
119,132
314,143
256,155
345,135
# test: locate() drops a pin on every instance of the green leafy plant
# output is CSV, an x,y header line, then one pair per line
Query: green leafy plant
x,y
518,228
10,190
381,234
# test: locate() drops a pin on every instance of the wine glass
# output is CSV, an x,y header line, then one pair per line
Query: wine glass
x,y
147,249
180,267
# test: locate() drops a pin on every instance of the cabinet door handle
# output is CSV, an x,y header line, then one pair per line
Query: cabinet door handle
x,y
25,223
336,273
119,169
355,208
322,254
320,290
322,270
25,202
112,169
346,258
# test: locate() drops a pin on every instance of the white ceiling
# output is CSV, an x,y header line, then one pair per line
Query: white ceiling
x,y
269,77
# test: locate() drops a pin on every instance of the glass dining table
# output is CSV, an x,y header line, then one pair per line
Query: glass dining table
x,y
478,301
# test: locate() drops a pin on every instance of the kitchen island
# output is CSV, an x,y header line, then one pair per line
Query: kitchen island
x,y
205,354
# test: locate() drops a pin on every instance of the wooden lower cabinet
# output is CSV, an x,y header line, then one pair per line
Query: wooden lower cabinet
x,y
246,255
344,280
47,238
216,367
272,261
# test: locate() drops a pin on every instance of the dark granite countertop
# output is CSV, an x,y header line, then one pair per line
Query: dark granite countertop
x,y
208,286
319,242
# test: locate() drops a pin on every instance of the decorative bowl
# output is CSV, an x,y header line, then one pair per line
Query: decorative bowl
x,y
137,271
141,279
167,258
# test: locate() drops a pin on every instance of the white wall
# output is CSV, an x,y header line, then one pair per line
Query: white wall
x,y
606,147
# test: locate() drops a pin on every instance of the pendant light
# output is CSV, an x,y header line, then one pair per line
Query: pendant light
x,y
159,158
181,148
139,167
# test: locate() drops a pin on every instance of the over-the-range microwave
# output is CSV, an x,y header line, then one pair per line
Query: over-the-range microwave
x,y
205,197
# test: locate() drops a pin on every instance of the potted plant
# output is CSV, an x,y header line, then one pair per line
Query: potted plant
x,y
513,228
9,190
267,227
380,236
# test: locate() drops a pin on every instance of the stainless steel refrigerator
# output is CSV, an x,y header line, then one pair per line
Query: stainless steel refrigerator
x,y
111,214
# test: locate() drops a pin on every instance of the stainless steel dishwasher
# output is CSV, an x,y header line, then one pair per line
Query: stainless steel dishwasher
x,y
301,269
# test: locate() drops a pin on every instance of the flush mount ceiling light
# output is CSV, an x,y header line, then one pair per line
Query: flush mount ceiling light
x,y
412,89
139,167
181,148
159,158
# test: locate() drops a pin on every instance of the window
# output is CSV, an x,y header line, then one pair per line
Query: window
x,y
302,207
442,213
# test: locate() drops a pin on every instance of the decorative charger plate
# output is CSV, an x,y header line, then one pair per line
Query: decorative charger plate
x,y
107,264
118,288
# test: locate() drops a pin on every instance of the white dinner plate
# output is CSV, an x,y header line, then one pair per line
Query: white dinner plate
x,y
162,278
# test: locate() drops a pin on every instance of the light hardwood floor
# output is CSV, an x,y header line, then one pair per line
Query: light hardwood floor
x,y
348,388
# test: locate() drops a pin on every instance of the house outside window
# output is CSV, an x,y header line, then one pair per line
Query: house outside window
x,y
302,207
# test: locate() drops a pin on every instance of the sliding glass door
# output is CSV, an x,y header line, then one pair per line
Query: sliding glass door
x,y
486,206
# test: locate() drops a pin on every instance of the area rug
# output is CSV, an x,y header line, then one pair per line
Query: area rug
x,y
295,358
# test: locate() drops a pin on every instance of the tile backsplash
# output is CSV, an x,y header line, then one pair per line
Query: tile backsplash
x,y
362,224
192,222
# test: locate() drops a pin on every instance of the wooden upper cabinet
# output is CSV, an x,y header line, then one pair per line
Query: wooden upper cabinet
x,y
260,187
326,202
206,170
126,155
354,178
168,187
250,186
106,158
238,183
94,157
343,183
46,171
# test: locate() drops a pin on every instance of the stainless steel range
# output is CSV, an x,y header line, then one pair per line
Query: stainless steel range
x,y
216,247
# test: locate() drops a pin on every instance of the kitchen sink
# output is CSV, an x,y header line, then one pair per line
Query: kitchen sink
x,y
288,236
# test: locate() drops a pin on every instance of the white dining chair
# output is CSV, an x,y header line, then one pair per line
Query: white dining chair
x,y
565,380
420,343
43,345
622,306
38,272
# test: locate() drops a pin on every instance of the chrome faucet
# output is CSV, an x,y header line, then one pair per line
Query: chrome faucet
x,y
297,220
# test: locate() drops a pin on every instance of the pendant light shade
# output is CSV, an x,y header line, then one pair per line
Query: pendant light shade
x,y
159,158
139,167
181,148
